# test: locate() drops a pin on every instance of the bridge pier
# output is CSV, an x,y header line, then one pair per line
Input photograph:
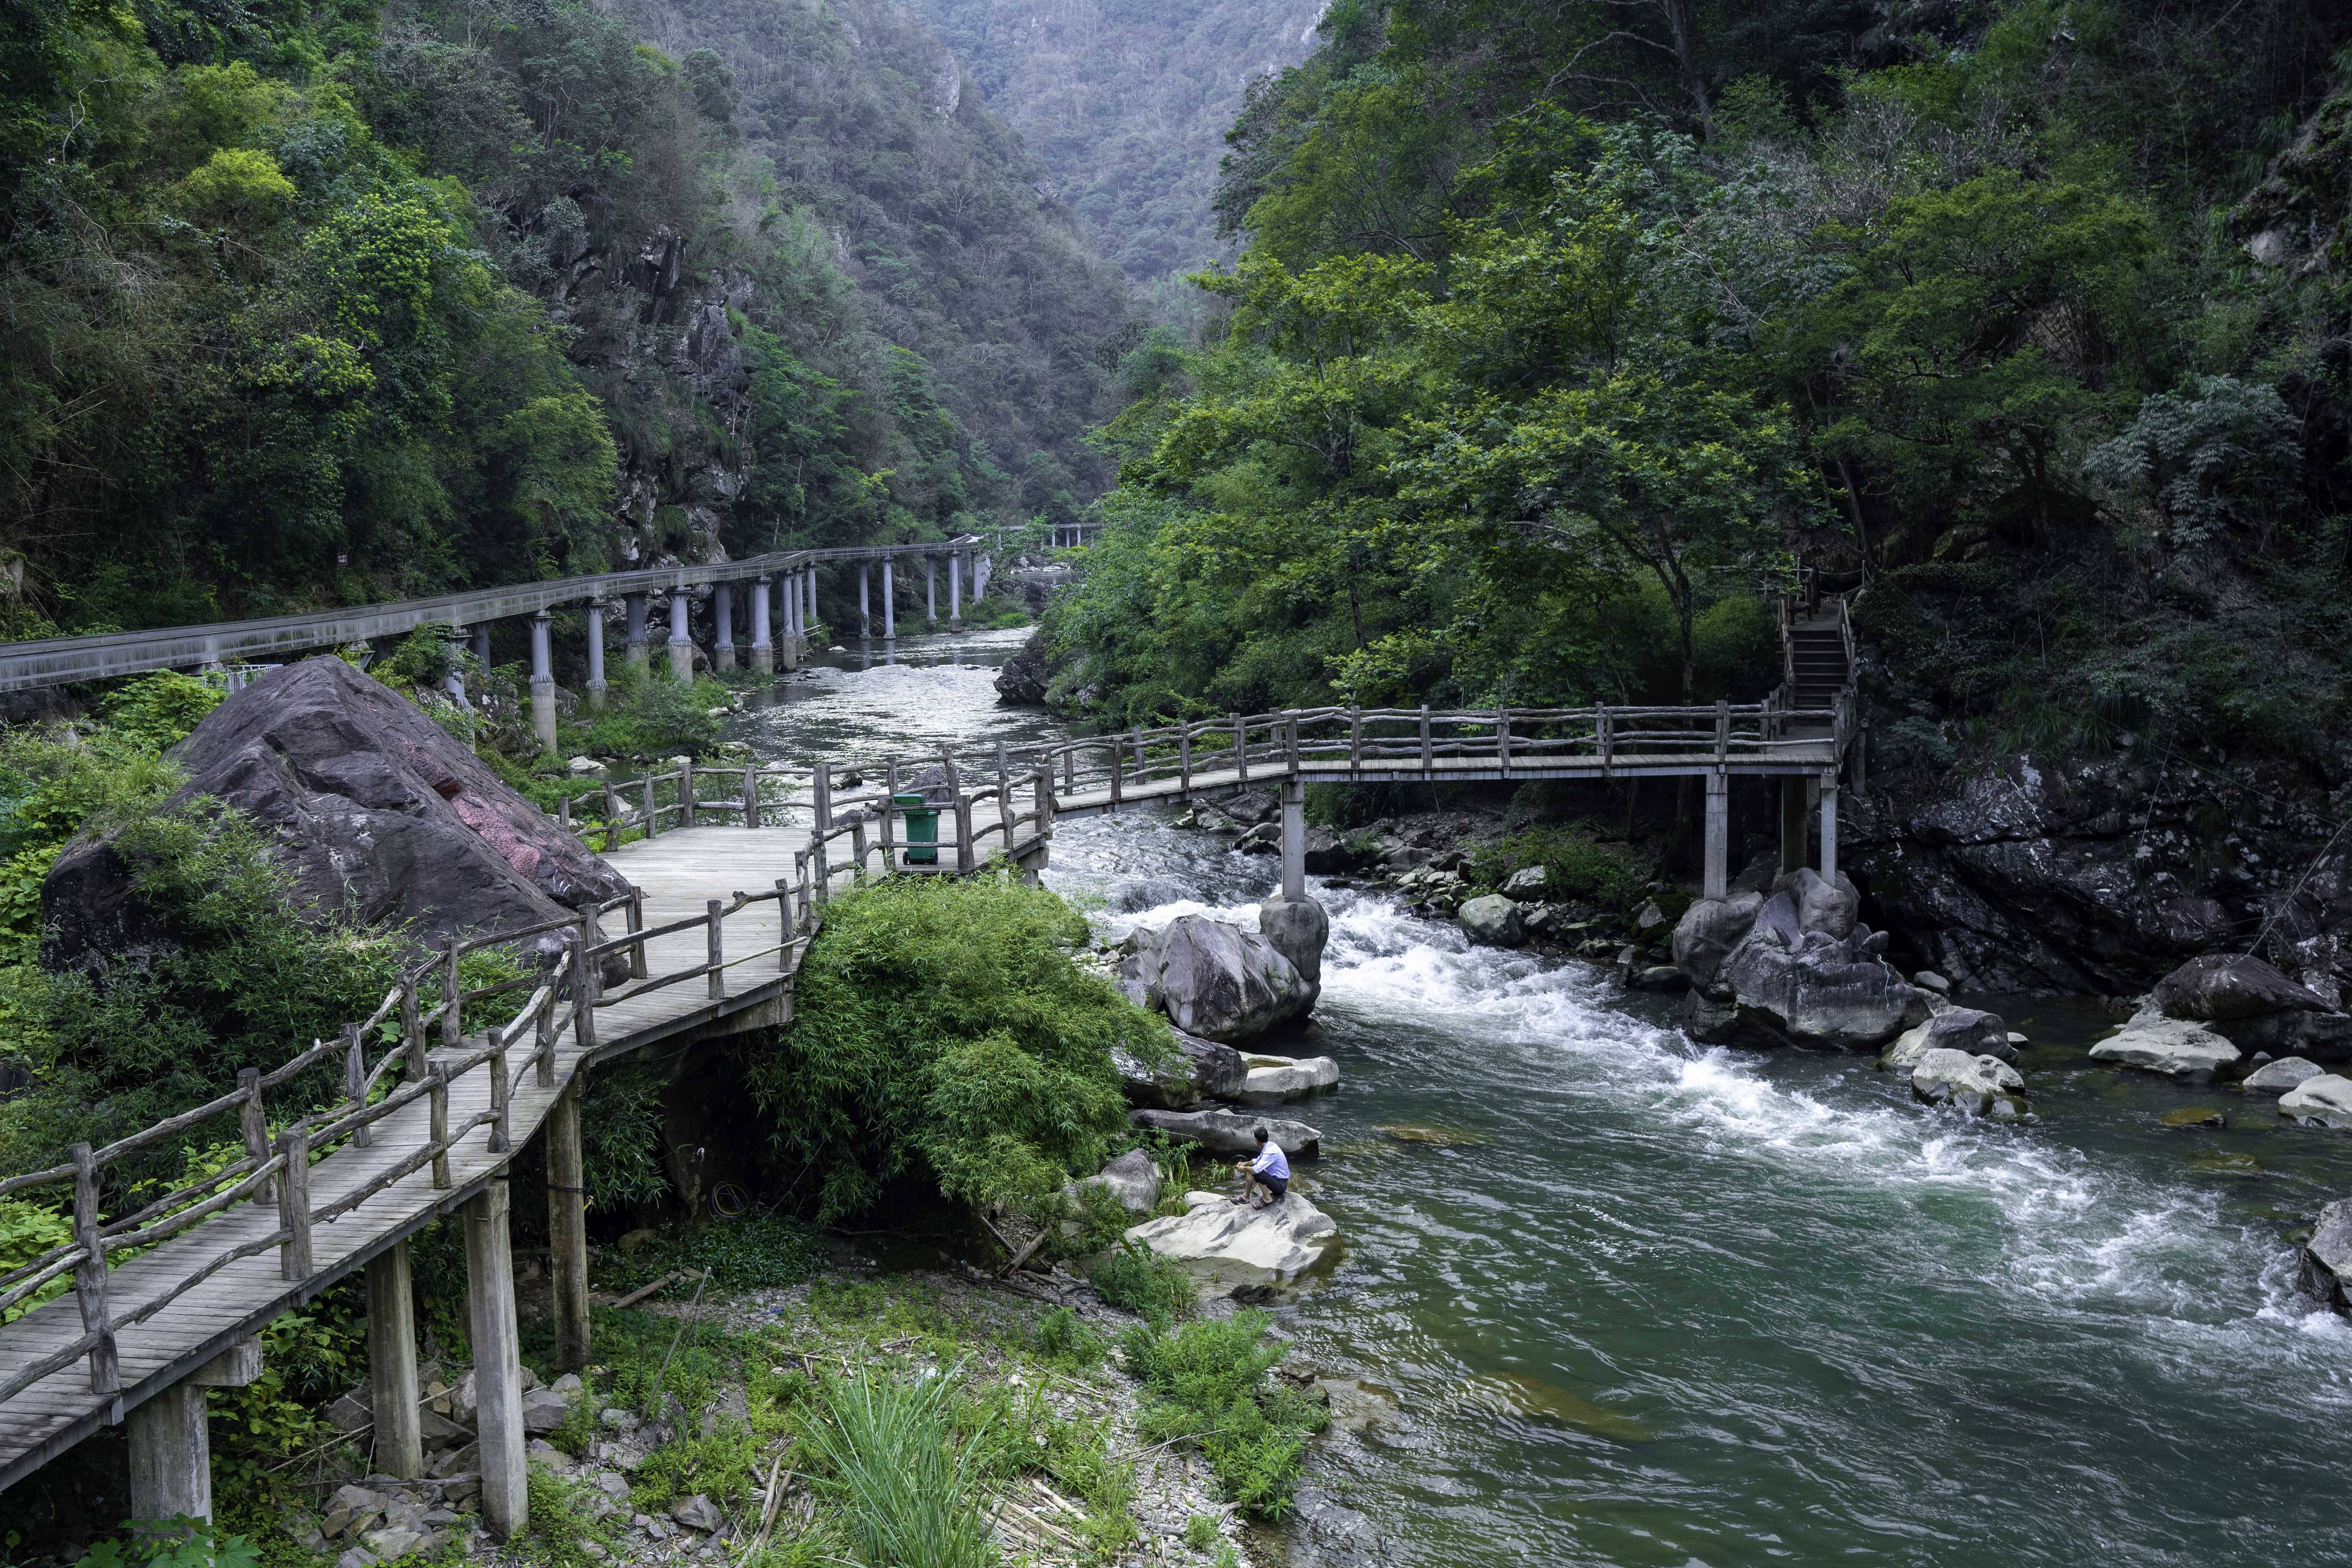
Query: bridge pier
x,y
1717,883
955,591
1294,923
634,648
722,642
454,683
790,647
171,1451
392,1364
930,594
1794,829
542,682
1829,826
865,602
810,619
889,601
567,1229
498,1365
681,646
764,654
482,643
597,654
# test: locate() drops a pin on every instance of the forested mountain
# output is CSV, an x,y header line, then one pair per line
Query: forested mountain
x,y
319,304
1126,103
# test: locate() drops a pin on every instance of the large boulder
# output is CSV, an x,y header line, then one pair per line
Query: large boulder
x,y
2325,1101
1961,1029
1809,987
1132,1180
1821,905
1707,932
1493,920
2172,1046
1230,1134
1027,675
1201,1070
375,808
1276,1081
1980,1085
2224,987
1298,928
1213,980
1228,1246
2328,1256
2275,1079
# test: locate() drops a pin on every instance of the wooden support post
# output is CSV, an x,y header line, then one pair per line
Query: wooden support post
x,y
716,946
584,992
784,923
1117,773
253,1124
355,1082
294,1204
1428,750
822,790
1045,786
1792,824
1240,749
499,1139
1717,877
542,1050
1829,826
1142,763
437,1126
806,895
90,1274
412,1028
171,1455
820,874
1185,759
1606,732
637,970
965,856
653,824
686,792
612,820
889,815
1722,731
857,852
567,1228
391,1363
450,1032
1069,769
750,795
498,1365
1004,799
564,812
1355,743
1293,837
1503,738
1290,743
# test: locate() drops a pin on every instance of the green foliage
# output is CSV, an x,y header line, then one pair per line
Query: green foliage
x,y
1136,1280
906,1478
26,1231
309,1356
1062,1338
563,1523
1575,867
620,1137
157,711
1208,1381
173,1544
650,718
942,1029
759,1251
1200,1532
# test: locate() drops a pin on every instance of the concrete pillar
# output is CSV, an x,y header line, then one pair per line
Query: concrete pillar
x,y
482,644
567,1229
171,1455
542,682
1829,825
597,654
1293,838
1717,877
681,646
930,594
763,653
814,618
955,592
392,1364
722,609
788,644
633,605
1793,826
889,601
498,1367
865,602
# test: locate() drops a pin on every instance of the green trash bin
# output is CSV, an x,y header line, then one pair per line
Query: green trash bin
x,y
922,829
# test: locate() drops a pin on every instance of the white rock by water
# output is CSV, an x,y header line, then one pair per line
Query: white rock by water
x,y
1963,1029
1527,885
586,766
2322,1100
1980,1085
2276,1077
2173,1046
1225,1245
1276,1080
1493,920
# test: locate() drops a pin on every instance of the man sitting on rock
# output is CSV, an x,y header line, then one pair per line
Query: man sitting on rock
x,y
1270,1170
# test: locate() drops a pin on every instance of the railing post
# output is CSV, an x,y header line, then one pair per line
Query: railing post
x,y
542,1048
821,791
637,970
1070,768
857,852
1045,786
1428,750
611,818
564,812
412,1028
784,915
437,1125
254,1126
686,792
355,1081
450,1032
889,815
1118,771
584,991
90,1276
820,874
718,976
1184,758
750,795
1355,743
804,892
294,1202
1142,763
1606,729
498,1066
1240,749
651,825
1290,743
1722,732
1503,738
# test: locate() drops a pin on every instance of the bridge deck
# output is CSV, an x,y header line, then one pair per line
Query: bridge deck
x,y
678,871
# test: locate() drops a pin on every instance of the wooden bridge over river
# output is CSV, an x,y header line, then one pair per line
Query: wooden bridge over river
x,y
731,868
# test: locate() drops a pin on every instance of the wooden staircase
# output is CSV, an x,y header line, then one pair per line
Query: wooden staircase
x,y
1817,668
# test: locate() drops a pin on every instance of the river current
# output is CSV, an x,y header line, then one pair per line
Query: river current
x,y
1610,1296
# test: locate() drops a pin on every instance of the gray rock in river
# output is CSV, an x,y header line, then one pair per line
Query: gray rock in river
x,y
2173,1046
1229,1245
1493,920
1980,1085
1707,932
1201,1070
2325,1101
2222,987
1133,895
1814,989
1298,928
1132,1180
1226,1134
1952,1029
1213,980
2275,1079
1820,905
2328,1256
1276,1081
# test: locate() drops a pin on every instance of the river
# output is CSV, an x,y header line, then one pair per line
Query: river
x,y
1626,1300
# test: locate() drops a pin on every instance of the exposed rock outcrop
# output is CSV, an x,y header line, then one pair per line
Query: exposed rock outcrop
x,y
1980,1085
1276,1080
1707,932
1132,1180
1027,675
1809,987
1204,1070
1213,980
2275,1079
2328,1256
1228,1246
2323,1101
375,807
1227,1134
2227,987
1493,920
2173,1046
1298,928
1963,1029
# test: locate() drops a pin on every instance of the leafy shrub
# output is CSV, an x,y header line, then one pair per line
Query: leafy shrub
x,y
1062,1337
1575,867
1208,1381
648,717
907,1484
942,1029
563,1521
26,1231
755,1251
156,711
1136,1279
165,1543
